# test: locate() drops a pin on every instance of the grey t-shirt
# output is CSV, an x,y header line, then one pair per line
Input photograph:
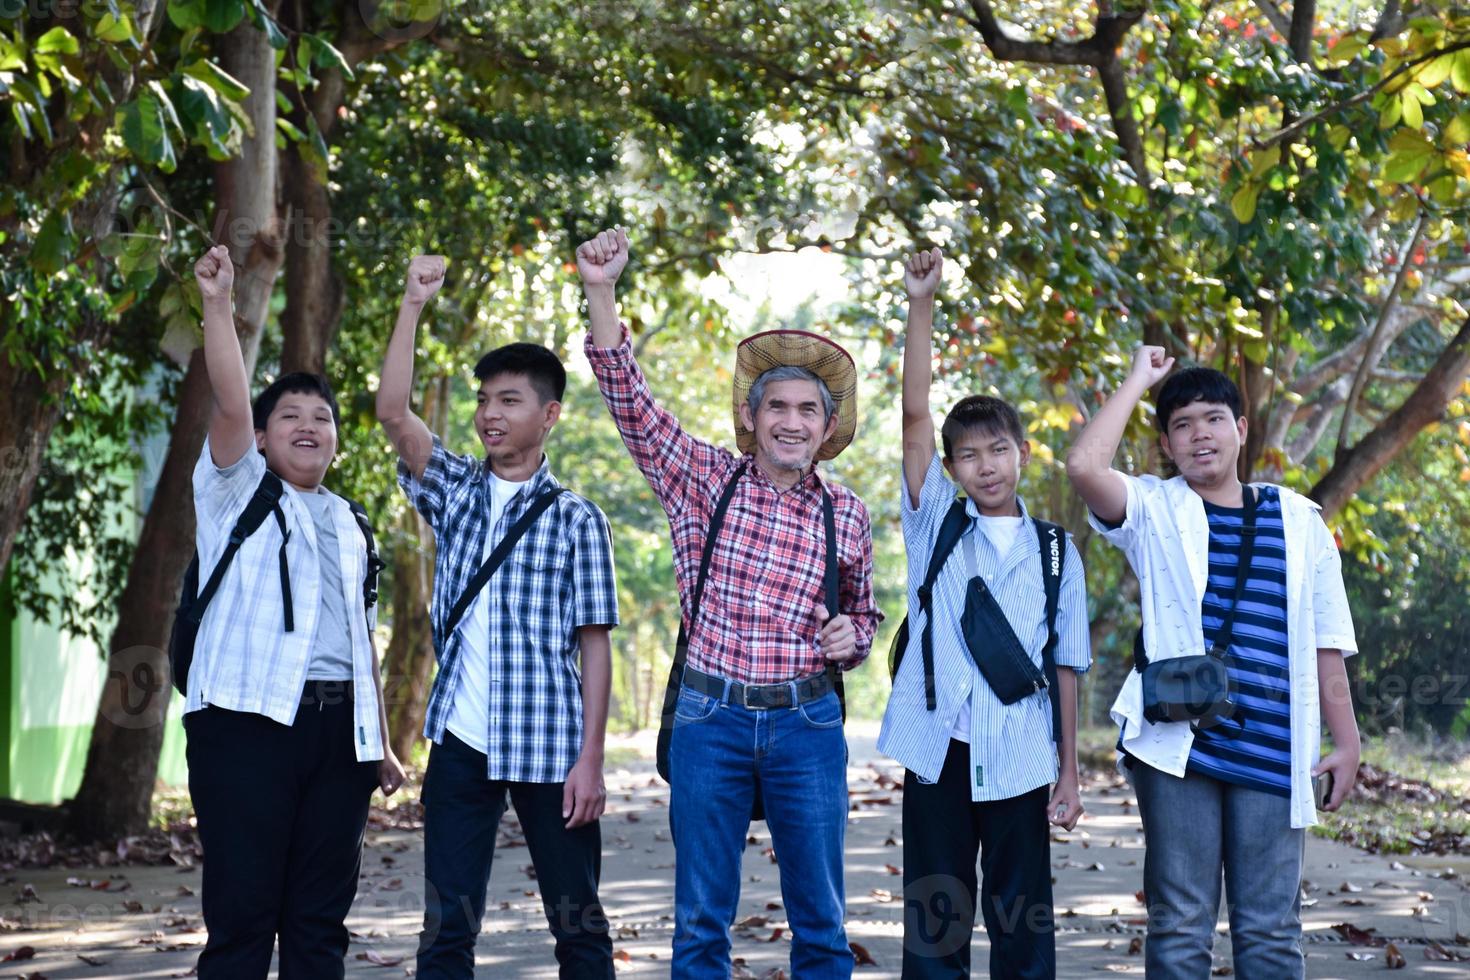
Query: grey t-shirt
x,y
331,653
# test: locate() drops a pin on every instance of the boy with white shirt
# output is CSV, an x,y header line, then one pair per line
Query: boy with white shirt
x,y
283,710
509,712
1252,574
980,768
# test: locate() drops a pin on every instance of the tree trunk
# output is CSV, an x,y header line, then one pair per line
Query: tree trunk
x,y
122,760
1424,405
408,663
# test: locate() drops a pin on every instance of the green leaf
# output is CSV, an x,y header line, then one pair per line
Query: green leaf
x,y
113,29
1409,154
1457,131
1243,204
144,129
1393,111
223,16
12,55
1413,113
218,79
1346,49
1436,71
57,41
53,244
1263,160
186,14
324,55
204,108
1460,73
261,18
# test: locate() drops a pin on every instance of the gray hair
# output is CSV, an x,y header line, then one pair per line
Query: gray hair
x,y
789,372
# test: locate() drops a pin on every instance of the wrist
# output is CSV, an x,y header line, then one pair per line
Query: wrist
x,y
212,303
411,303
921,302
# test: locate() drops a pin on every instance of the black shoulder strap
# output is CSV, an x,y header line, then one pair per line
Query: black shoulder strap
x,y
1053,554
951,529
498,556
681,646
830,588
374,563
264,501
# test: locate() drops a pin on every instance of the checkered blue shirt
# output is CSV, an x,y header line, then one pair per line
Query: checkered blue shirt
x,y
558,578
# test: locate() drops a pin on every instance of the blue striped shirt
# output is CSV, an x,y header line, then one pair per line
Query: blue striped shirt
x,y
1256,753
1011,746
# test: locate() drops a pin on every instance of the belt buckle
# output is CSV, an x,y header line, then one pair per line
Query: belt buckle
x,y
745,697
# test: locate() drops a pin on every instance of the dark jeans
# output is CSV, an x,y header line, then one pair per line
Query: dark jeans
x,y
462,811
281,812
942,829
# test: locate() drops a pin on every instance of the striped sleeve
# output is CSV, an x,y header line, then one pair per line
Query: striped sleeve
x,y
1074,638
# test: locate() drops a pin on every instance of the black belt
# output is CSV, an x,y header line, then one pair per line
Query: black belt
x,y
325,694
786,694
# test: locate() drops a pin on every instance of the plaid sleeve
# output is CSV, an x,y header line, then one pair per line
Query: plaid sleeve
x,y
674,462
594,583
856,589
1074,638
221,492
427,493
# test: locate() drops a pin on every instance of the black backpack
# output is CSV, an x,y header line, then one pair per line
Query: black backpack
x,y
951,529
193,601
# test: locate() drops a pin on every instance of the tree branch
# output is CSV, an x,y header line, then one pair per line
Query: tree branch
x,y
1273,12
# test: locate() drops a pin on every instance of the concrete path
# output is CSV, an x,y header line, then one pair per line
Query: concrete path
x,y
146,923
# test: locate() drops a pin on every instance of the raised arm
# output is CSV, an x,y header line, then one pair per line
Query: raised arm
x,y
1090,460
600,260
231,430
921,281
406,431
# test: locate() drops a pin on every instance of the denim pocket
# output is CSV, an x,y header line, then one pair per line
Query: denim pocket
x,y
693,707
824,712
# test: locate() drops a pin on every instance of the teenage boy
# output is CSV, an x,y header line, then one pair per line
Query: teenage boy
x,y
1232,799
287,736
508,712
982,774
758,716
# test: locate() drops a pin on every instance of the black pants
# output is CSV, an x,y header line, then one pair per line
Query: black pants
x,y
281,812
942,829
462,811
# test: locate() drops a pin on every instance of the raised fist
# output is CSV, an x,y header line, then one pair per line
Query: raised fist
x,y
215,273
921,273
600,260
1151,364
425,276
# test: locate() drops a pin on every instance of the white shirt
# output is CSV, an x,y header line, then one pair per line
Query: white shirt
x,y
469,714
244,660
1166,538
1012,750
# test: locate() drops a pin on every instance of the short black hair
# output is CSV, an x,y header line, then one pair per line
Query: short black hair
x,y
1195,384
295,383
982,413
540,366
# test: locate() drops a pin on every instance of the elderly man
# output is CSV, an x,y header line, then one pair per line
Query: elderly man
x,y
774,564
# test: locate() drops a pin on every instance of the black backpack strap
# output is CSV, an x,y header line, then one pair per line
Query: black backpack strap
x,y
681,646
285,568
498,556
1053,554
264,501
951,529
830,576
374,563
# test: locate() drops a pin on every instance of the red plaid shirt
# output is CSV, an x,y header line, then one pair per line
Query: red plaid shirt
x,y
756,620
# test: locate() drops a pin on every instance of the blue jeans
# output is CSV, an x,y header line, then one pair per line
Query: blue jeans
x,y
1195,829
720,757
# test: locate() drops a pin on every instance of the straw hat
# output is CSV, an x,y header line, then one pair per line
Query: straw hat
x,y
798,348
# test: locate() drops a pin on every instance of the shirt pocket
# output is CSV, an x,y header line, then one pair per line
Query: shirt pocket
x,y
534,593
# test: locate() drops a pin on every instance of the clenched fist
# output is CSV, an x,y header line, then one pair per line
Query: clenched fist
x,y
600,260
425,276
215,273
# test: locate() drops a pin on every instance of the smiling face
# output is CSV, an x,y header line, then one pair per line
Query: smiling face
x,y
512,422
299,439
1203,440
790,426
987,465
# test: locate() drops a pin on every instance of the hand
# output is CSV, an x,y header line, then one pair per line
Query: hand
x,y
921,273
1343,763
1064,808
584,796
838,639
215,273
425,276
390,773
1151,365
600,260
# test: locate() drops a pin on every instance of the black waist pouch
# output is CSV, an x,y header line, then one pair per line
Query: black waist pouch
x,y
1195,689
1005,664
